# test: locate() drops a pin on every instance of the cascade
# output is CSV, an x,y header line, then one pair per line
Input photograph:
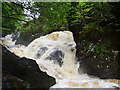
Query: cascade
x,y
55,54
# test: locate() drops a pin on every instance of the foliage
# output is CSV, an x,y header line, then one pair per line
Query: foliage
x,y
95,17
87,20
11,16
52,15
57,15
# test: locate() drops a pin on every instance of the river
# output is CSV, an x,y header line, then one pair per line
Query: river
x,y
55,54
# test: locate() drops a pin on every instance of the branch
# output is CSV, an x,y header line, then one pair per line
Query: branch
x,y
14,18
5,27
19,15
11,7
18,4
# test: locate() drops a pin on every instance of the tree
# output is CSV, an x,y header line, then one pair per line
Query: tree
x,y
12,16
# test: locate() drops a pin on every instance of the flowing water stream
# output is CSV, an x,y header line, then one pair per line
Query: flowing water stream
x,y
55,54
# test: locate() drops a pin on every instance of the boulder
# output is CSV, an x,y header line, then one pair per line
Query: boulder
x,y
22,72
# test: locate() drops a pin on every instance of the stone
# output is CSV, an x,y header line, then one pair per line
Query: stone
x,y
22,72
56,56
41,51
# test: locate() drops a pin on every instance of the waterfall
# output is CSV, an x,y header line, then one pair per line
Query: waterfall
x,y
55,54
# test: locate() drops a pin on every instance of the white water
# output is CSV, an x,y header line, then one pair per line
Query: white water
x,y
55,55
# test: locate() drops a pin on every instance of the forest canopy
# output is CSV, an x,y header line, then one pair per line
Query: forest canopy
x,y
99,17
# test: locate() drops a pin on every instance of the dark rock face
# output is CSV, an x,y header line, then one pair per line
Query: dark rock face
x,y
41,51
22,73
57,56
103,65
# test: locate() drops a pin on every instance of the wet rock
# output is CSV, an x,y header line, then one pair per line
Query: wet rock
x,y
10,81
98,64
41,51
22,72
57,56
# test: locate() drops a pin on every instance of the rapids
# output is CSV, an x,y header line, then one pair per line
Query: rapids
x,y
55,54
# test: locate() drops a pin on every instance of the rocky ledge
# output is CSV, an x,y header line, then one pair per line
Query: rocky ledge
x,y
22,72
